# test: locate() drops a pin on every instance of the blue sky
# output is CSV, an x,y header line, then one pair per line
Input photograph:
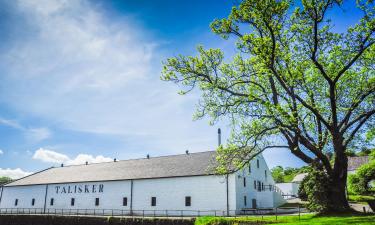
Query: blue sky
x,y
79,80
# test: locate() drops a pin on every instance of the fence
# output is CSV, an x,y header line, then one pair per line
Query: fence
x,y
152,213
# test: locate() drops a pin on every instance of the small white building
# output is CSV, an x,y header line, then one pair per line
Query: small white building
x,y
290,189
169,184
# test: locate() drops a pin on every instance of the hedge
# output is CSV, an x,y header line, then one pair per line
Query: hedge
x,y
79,220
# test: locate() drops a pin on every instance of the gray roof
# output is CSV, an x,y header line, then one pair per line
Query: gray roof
x,y
357,161
299,177
192,164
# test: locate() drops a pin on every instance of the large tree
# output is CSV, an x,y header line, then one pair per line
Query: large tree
x,y
296,82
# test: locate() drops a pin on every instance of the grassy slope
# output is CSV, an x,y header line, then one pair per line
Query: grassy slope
x,y
305,220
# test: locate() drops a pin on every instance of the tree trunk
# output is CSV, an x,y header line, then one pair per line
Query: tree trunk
x,y
337,194
338,178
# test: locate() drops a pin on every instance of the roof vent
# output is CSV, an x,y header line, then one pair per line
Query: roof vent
x,y
87,163
62,165
115,160
187,152
148,156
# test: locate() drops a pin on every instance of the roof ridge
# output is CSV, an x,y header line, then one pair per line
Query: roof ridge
x,y
125,160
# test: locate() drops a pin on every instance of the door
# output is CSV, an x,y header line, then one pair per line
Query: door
x,y
254,203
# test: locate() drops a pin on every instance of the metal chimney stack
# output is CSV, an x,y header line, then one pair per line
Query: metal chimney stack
x,y
219,136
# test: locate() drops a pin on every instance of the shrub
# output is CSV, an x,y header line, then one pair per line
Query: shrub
x,y
359,183
315,188
302,190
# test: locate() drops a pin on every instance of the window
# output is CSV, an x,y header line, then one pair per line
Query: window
x,y
244,200
33,201
153,201
249,167
255,185
96,201
265,174
16,202
187,201
257,163
244,181
125,201
259,186
51,201
72,201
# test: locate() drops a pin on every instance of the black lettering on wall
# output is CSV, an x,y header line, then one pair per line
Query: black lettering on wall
x,y
57,189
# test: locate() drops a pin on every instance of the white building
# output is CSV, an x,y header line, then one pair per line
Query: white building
x,y
290,189
170,184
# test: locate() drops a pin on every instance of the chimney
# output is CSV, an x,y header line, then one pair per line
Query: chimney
x,y
148,156
115,160
187,152
219,136
62,165
87,163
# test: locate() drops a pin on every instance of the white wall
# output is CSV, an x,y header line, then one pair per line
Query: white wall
x,y
290,189
206,192
24,194
264,198
111,197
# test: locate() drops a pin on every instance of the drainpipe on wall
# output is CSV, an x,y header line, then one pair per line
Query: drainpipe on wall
x,y
1,194
227,176
131,197
45,200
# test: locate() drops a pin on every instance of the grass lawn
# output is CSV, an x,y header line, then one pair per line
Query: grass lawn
x,y
283,220
360,198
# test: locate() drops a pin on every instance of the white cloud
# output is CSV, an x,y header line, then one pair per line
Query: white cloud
x,y
38,134
11,123
50,156
1,152
85,71
46,155
82,158
31,133
13,173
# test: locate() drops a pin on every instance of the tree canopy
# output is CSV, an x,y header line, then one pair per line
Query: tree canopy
x,y
296,83
284,175
4,180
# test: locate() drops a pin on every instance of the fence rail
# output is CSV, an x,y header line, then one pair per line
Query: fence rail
x,y
152,213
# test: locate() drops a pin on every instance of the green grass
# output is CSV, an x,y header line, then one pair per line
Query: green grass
x,y
310,219
360,198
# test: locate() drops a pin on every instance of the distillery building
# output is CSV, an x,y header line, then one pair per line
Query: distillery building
x,y
183,183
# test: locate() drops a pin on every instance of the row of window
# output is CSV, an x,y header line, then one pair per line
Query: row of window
x,y
265,171
257,184
124,201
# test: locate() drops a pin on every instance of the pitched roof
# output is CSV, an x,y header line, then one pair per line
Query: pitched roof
x,y
299,177
357,161
192,164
